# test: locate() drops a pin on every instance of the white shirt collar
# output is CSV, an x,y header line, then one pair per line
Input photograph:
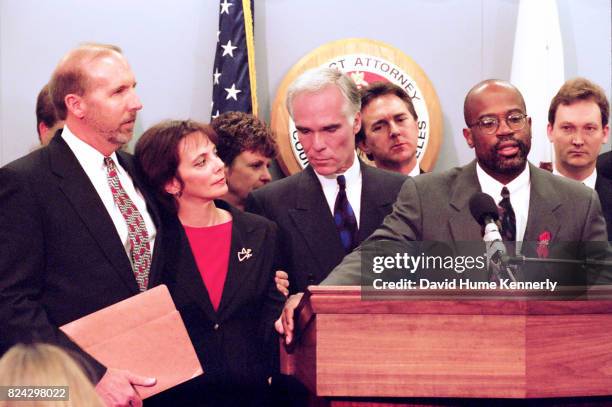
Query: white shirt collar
x,y
493,187
87,155
520,193
352,174
330,188
415,171
92,162
588,181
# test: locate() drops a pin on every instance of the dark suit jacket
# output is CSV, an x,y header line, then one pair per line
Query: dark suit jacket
x,y
604,164
434,207
234,343
61,255
310,243
603,186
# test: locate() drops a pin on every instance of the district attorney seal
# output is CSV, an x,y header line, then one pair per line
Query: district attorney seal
x,y
366,61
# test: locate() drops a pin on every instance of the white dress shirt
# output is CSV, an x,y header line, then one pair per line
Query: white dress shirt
x,y
520,192
92,162
415,171
353,188
588,181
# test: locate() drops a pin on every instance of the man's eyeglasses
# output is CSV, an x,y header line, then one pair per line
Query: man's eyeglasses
x,y
490,124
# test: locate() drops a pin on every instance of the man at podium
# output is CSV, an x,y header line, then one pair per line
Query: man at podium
x,y
434,207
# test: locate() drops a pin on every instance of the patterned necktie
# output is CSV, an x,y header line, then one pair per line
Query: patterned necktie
x,y
344,217
140,251
508,219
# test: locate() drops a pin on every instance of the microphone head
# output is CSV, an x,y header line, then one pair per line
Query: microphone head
x,y
483,206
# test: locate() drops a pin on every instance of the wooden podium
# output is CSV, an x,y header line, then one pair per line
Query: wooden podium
x,y
356,351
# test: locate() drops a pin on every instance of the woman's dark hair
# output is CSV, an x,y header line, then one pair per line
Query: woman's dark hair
x,y
157,155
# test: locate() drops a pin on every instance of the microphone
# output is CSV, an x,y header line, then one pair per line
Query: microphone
x,y
483,208
484,211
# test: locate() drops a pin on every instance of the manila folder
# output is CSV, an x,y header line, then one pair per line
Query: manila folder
x,y
143,334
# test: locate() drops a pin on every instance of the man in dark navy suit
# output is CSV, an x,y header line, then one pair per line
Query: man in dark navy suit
x,y
78,233
326,210
578,126
325,106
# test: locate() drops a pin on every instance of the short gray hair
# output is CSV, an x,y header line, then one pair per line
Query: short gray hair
x,y
317,79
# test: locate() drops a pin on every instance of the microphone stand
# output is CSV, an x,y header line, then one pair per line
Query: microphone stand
x,y
520,260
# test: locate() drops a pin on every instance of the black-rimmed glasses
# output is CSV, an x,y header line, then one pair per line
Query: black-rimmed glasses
x,y
490,124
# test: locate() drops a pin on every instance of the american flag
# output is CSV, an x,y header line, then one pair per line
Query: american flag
x,y
234,87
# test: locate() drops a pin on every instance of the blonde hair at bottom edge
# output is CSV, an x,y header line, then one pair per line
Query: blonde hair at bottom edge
x,y
46,365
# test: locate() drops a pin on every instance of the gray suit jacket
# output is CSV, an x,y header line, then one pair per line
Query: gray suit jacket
x,y
434,207
310,244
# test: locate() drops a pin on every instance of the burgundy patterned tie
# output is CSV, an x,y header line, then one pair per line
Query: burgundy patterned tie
x,y
140,251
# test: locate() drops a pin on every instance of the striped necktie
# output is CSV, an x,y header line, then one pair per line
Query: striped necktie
x,y
344,217
140,251
507,217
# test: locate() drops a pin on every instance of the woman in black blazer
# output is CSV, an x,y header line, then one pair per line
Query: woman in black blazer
x,y
220,267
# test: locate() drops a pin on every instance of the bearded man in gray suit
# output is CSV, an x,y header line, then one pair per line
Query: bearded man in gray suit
x,y
435,207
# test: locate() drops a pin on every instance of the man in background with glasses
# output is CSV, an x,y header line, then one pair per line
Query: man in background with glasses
x,y
577,127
